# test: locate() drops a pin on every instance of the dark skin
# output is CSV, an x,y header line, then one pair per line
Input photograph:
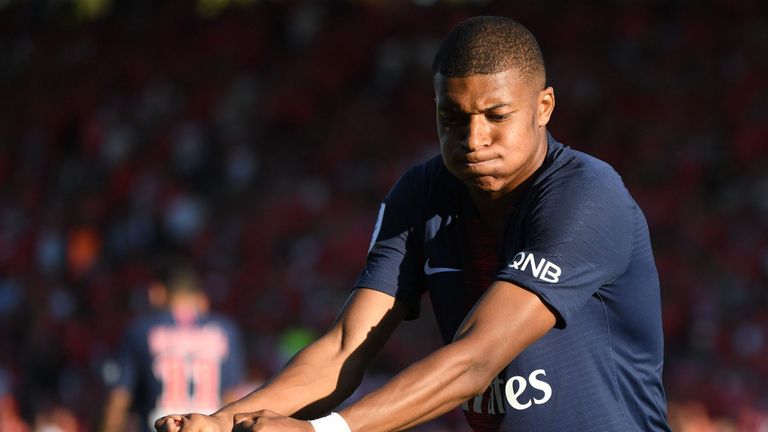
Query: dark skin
x,y
492,136
492,131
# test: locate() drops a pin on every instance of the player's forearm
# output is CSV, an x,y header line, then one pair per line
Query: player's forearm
x,y
312,383
115,411
488,340
425,390
112,422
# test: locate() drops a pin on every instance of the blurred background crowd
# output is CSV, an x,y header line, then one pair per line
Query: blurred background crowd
x,y
256,138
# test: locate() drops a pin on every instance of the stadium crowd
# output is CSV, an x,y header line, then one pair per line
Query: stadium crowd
x,y
258,138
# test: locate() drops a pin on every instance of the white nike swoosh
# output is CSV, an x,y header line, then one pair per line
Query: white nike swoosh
x,y
433,270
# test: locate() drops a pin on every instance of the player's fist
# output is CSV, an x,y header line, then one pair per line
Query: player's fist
x,y
268,421
191,423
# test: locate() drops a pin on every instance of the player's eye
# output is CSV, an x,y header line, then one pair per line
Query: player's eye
x,y
498,117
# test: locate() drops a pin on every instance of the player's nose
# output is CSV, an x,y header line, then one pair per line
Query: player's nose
x,y
477,134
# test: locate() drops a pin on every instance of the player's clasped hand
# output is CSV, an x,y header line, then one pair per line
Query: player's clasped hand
x,y
268,421
190,423
259,421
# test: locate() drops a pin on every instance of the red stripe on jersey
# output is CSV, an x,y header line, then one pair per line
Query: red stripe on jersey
x,y
483,257
480,273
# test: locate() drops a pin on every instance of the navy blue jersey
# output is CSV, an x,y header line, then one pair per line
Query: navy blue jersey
x,y
578,240
173,367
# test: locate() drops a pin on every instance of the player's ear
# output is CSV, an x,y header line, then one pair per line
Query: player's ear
x,y
545,104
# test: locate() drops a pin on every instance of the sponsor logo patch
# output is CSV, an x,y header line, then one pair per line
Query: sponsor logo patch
x,y
542,269
502,395
434,270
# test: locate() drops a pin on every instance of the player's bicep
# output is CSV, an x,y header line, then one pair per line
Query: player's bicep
x,y
393,263
503,323
366,322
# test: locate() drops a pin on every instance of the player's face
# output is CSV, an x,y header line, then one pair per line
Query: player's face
x,y
492,129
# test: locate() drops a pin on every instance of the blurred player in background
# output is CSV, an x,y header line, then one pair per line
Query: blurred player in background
x,y
537,261
180,358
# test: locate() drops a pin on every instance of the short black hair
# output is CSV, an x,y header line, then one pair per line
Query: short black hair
x,y
489,45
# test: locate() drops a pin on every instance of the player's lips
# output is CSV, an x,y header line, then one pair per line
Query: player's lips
x,y
479,168
471,160
479,162
479,156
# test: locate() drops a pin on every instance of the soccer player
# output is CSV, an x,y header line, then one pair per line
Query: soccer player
x,y
537,262
180,358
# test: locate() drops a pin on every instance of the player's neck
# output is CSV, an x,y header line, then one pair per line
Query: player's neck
x,y
493,211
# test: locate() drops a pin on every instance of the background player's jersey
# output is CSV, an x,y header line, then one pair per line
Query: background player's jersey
x,y
578,240
174,367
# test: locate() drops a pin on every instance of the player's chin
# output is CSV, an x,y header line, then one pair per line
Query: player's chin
x,y
482,176
485,183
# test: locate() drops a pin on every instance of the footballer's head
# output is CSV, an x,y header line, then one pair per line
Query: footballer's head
x,y
492,105
488,45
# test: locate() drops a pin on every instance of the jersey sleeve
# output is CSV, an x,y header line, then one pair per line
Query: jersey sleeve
x,y
394,256
577,238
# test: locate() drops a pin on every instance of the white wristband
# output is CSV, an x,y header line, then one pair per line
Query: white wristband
x,y
333,422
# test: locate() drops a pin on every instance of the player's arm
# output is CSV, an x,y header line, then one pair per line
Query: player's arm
x,y
116,410
505,321
319,377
